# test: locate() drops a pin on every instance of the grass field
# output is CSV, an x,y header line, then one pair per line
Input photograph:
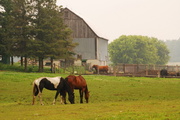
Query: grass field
x,y
111,98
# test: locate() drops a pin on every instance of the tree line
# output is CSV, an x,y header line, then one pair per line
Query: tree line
x,y
173,46
34,29
134,49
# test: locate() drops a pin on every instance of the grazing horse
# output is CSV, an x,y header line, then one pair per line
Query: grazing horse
x,y
163,73
56,83
78,82
103,69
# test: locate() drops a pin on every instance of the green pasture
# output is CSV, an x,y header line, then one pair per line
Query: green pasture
x,y
111,98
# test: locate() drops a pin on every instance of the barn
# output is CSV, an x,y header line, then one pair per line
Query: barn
x,y
91,48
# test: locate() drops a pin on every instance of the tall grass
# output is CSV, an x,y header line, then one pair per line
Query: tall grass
x,y
111,98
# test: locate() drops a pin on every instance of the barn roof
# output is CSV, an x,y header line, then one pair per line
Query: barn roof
x,y
89,24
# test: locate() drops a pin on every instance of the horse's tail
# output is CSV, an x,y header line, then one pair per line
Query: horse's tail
x,y
86,89
86,94
35,89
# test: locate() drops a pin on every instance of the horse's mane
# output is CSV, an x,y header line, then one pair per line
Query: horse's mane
x,y
65,82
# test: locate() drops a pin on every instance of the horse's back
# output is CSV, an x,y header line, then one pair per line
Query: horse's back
x,y
46,81
77,81
103,67
81,79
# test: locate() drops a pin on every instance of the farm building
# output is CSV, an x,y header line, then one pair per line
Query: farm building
x,y
91,48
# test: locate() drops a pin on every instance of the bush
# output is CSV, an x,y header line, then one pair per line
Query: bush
x,y
11,67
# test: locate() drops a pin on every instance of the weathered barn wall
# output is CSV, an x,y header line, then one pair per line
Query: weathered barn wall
x,y
79,27
86,47
91,47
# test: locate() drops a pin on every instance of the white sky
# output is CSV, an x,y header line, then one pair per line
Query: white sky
x,y
112,18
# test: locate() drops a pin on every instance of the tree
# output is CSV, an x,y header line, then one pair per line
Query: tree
x,y
6,28
15,28
137,50
22,10
34,28
50,33
173,46
163,51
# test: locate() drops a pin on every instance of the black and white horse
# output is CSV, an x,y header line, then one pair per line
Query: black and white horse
x,y
55,83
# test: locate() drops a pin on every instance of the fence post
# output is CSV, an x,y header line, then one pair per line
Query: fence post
x,y
54,68
146,70
98,70
114,70
137,68
158,73
124,68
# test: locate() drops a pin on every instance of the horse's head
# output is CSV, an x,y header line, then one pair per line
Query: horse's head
x,y
95,66
70,91
71,98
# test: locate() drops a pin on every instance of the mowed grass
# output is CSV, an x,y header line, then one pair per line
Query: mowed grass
x,y
111,98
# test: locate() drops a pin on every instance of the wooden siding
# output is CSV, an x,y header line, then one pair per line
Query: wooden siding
x,y
91,46
79,27
86,47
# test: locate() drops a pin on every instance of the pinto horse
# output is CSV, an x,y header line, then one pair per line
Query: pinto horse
x,y
56,83
78,82
103,69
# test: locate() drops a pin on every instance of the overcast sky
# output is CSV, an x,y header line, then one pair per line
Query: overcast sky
x,y
112,18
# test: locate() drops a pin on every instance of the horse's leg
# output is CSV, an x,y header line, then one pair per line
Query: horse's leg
x,y
63,97
40,94
33,99
81,95
40,98
35,93
63,100
57,92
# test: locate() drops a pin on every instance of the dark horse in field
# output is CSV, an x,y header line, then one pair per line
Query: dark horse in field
x,y
56,83
78,82
101,69
164,73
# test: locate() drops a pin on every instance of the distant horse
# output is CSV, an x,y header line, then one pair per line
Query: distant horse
x,y
55,83
163,73
102,69
78,82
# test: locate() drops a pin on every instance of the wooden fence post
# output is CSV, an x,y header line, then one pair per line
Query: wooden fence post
x,y
146,70
124,68
54,68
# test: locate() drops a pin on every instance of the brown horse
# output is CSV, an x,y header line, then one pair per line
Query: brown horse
x,y
78,82
101,69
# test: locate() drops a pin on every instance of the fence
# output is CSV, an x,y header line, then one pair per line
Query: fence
x,y
120,69
141,69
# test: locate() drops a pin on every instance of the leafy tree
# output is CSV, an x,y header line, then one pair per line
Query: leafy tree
x,y
162,51
173,46
138,50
